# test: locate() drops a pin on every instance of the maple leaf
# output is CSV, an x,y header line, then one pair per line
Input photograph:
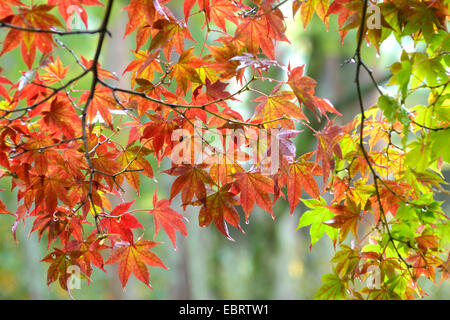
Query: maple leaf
x,y
427,241
257,63
35,17
301,177
282,143
316,217
57,168
276,106
79,191
223,63
184,70
132,159
3,91
307,9
187,7
347,260
74,161
53,222
40,159
254,187
340,187
346,218
60,261
445,269
102,103
191,181
121,223
6,7
144,66
275,21
73,228
171,34
90,254
133,257
48,189
226,113
253,33
333,288
304,88
349,15
160,131
3,209
61,115
424,264
102,73
216,90
222,10
223,170
327,146
55,72
141,12
388,198
106,162
167,218
219,207
67,8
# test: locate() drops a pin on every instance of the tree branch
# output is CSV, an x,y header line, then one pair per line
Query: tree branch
x,y
95,79
57,32
359,64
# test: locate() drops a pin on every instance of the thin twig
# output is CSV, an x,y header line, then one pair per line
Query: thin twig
x,y
51,31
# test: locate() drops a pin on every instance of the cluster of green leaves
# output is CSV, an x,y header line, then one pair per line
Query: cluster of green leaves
x,y
389,167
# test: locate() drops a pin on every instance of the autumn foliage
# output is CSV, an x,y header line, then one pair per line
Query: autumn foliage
x,y
369,185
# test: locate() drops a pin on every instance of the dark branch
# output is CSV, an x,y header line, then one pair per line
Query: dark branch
x,y
359,64
95,79
51,31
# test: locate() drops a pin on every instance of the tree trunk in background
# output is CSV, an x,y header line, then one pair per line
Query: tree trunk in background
x,y
34,273
196,249
181,286
288,262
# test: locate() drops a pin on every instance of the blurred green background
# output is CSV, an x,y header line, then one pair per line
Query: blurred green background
x,y
272,260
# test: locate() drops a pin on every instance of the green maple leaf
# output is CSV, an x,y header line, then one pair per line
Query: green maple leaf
x,y
333,288
315,217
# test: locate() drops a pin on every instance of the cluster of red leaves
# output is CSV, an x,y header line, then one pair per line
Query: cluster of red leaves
x,y
65,169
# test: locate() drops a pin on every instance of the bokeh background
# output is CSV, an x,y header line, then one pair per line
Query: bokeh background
x,y
272,260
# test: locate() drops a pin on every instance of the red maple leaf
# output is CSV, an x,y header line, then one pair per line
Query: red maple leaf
x,y
276,106
220,11
253,33
34,17
121,223
6,7
191,181
60,261
346,218
219,207
254,187
134,257
304,88
167,218
102,103
68,7
60,115
328,146
301,178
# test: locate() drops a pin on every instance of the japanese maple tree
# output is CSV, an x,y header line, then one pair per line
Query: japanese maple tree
x,y
369,185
